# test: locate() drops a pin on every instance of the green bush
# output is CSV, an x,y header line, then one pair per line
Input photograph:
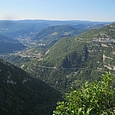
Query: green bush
x,y
94,98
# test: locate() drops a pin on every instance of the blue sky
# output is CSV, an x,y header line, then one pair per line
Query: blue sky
x,y
92,10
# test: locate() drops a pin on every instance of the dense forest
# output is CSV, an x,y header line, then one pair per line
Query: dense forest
x,y
21,94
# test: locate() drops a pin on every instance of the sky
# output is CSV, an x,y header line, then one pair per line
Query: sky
x,y
90,10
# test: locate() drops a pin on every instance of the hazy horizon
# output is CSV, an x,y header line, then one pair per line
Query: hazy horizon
x,y
64,10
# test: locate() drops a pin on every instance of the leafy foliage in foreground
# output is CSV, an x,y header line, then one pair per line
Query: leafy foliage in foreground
x,y
94,98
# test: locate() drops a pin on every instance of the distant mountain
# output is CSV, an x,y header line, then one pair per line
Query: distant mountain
x,y
25,28
21,28
21,94
8,45
7,39
53,33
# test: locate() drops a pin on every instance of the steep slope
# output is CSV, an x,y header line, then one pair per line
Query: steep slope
x,y
21,94
8,45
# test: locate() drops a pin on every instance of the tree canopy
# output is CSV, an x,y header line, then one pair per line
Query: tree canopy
x,y
94,98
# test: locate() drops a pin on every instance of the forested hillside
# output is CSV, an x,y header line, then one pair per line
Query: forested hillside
x,y
72,61
21,94
22,28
